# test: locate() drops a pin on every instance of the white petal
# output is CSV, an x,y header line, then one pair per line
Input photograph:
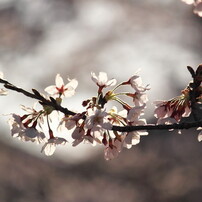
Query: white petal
x,y
111,82
94,77
198,9
102,78
59,81
51,90
48,148
200,136
73,83
1,75
3,91
135,139
69,93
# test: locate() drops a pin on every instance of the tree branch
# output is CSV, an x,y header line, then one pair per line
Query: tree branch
x,y
158,127
36,95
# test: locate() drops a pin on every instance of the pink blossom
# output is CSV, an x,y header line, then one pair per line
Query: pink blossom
x,y
140,98
78,135
102,80
136,83
161,111
50,146
113,148
117,118
133,138
175,108
197,6
97,118
71,121
96,122
198,9
19,130
60,89
135,112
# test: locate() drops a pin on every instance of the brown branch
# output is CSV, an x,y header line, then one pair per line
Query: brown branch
x,y
36,95
175,126
193,86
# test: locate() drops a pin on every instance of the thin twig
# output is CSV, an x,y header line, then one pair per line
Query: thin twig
x,y
39,97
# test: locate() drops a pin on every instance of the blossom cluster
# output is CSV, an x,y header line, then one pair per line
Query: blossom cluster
x,y
197,6
97,123
185,105
94,124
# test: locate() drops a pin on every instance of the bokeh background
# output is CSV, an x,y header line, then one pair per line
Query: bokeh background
x,y
40,38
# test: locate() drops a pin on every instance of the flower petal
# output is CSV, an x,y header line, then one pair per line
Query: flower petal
x,y
59,81
48,148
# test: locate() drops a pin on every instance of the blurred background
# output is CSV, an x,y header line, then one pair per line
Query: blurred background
x,y
41,38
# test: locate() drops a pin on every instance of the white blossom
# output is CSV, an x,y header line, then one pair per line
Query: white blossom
x,y
25,133
198,9
60,89
113,148
50,146
97,118
135,112
102,80
136,83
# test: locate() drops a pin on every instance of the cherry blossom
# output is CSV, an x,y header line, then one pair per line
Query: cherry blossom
x,y
133,119
198,9
136,83
135,112
102,80
117,118
19,130
197,6
175,108
78,135
133,138
69,122
50,146
61,90
139,98
97,122
112,149
97,117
